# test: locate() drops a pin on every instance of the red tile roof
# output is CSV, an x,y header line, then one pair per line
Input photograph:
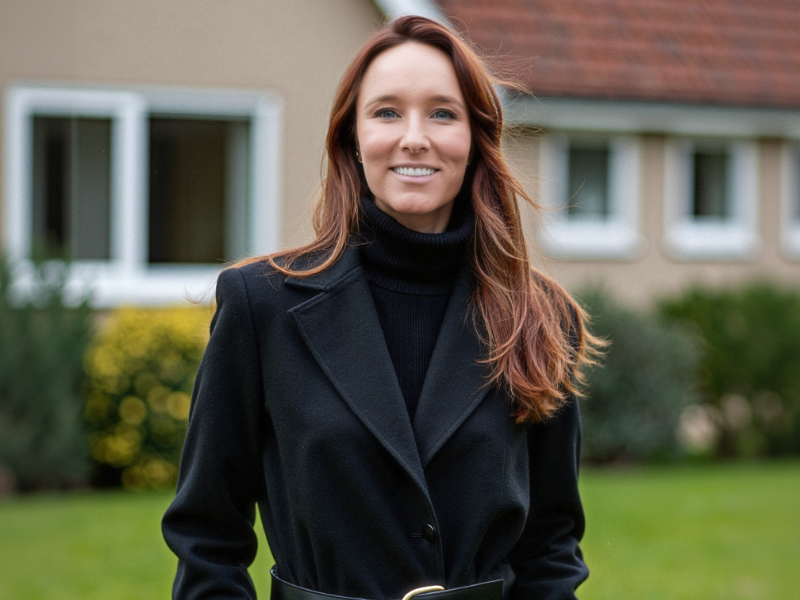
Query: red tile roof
x,y
730,52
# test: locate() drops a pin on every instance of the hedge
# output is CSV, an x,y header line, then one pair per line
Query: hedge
x,y
637,392
749,376
42,341
141,369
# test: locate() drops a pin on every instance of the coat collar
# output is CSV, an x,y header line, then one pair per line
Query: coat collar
x,y
340,325
333,275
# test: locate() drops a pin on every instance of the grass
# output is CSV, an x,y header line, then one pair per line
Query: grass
x,y
93,546
716,532
710,532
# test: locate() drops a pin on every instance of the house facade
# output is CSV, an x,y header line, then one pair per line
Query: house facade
x,y
151,142
663,137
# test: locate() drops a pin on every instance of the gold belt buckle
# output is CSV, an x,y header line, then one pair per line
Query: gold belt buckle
x,y
423,590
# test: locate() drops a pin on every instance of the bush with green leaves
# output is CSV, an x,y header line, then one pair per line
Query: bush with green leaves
x,y
43,441
750,371
141,369
638,389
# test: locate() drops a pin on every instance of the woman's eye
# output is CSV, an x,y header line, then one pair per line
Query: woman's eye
x,y
443,114
387,113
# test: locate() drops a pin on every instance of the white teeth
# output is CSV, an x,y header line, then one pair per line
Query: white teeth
x,y
412,172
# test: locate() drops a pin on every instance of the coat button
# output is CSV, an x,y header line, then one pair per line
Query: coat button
x,y
429,533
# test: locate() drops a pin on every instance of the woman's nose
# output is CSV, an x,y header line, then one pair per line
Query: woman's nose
x,y
415,136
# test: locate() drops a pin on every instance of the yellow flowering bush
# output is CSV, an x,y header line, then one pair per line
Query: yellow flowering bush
x,y
141,369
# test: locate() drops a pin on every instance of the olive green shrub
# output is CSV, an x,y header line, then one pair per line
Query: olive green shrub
x,y
141,369
43,335
749,375
637,391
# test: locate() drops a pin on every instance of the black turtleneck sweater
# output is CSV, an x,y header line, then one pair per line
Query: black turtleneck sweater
x,y
411,275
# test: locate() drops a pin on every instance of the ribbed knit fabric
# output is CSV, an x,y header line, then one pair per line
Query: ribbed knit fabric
x,y
411,275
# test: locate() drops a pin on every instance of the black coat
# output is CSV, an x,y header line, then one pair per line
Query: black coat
x,y
297,408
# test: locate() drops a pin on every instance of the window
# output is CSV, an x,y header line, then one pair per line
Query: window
x,y
198,198
71,188
592,183
711,189
587,191
147,191
710,199
790,192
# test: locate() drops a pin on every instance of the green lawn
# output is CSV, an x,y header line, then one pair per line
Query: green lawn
x,y
93,546
729,532
716,532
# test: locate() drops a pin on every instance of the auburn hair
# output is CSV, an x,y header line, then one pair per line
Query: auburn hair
x,y
532,328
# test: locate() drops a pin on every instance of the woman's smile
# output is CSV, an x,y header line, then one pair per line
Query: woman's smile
x,y
415,174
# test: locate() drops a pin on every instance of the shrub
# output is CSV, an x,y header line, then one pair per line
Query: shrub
x,y
141,369
750,371
42,341
636,394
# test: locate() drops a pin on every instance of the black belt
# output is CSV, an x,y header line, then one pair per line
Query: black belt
x,y
491,590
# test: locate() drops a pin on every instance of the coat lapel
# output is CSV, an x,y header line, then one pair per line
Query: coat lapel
x,y
455,383
343,332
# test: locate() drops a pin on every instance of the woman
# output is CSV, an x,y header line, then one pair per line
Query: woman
x,y
398,396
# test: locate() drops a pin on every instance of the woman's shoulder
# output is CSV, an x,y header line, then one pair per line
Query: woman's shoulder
x,y
267,279
250,274
256,284
253,270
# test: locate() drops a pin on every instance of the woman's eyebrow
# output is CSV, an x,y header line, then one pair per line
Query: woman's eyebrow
x,y
381,99
440,99
446,100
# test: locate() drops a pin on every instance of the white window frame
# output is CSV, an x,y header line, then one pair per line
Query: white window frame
x,y
616,237
790,196
689,238
127,277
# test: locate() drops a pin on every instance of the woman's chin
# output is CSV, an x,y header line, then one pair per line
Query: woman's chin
x,y
413,205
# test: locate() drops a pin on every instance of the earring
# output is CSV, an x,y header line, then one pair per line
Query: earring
x,y
358,157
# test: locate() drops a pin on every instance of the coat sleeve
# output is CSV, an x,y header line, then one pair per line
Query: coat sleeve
x,y
547,560
209,525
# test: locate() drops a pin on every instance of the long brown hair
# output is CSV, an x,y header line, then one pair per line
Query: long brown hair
x,y
532,328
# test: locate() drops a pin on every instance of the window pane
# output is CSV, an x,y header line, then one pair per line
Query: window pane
x,y
710,185
71,187
198,189
588,183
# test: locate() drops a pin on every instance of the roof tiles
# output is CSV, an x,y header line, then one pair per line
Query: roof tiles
x,y
729,52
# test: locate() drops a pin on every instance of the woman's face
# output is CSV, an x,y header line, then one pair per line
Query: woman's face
x,y
413,134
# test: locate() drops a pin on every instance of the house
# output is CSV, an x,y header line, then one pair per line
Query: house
x,y
150,142
664,135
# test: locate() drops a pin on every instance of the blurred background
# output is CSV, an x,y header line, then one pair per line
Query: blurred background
x,y
146,144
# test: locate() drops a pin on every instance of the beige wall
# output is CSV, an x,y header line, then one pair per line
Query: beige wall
x,y
297,48
653,273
